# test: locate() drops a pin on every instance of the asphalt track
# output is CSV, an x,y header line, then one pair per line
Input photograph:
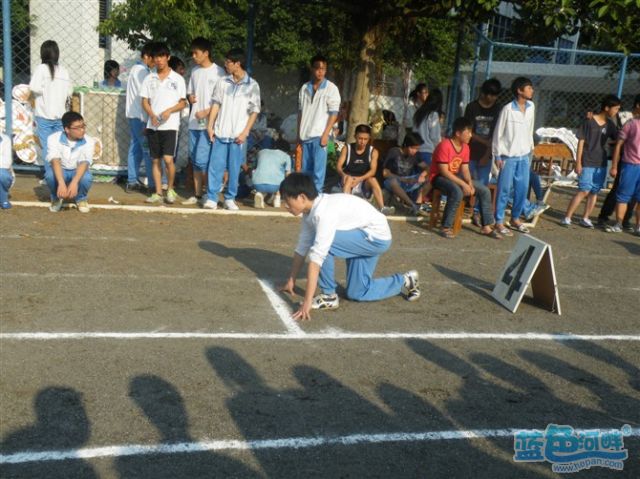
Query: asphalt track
x,y
151,345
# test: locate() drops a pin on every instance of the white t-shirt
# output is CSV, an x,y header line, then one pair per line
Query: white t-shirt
x,y
316,108
6,152
338,212
70,153
237,102
201,84
163,94
50,94
137,74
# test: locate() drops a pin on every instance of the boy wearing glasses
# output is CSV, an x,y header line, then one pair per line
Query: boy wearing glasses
x,y
70,154
235,105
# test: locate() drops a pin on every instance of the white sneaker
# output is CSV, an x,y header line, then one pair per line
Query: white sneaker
x,y
190,201
411,288
387,210
566,222
56,206
231,205
258,200
210,205
83,206
325,301
276,200
171,196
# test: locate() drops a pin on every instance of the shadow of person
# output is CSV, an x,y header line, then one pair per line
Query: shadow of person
x,y
632,248
607,357
478,286
42,192
165,408
61,424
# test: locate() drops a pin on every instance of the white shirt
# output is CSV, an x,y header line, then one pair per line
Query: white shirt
x,y
51,95
70,153
163,94
237,102
201,84
137,74
316,108
429,131
6,152
338,212
513,135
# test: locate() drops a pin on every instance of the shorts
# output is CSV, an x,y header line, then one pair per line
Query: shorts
x,y
361,189
161,143
592,179
629,184
199,149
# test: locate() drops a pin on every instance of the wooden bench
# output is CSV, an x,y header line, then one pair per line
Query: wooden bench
x,y
434,216
551,153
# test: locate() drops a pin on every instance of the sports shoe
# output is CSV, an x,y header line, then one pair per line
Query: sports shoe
x,y
566,222
155,199
5,205
202,200
425,209
134,187
171,196
602,222
586,223
230,205
387,210
637,231
411,287
165,187
325,301
210,205
628,227
276,200
617,228
413,211
258,200
56,206
190,201
537,211
83,206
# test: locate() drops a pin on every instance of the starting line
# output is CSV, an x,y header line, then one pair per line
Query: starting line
x,y
325,335
284,443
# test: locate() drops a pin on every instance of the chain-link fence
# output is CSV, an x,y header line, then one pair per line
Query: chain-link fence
x,y
567,82
72,24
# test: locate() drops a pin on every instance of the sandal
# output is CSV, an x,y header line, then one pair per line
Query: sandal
x,y
503,230
492,234
519,227
447,233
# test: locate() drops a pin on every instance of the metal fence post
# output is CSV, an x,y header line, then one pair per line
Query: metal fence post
x,y
623,71
487,73
8,64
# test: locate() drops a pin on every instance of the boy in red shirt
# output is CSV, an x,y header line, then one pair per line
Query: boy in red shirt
x,y
450,174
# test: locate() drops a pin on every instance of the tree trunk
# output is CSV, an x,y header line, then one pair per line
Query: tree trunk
x,y
365,78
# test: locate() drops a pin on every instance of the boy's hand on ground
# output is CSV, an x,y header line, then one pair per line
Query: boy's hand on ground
x,y
288,287
303,313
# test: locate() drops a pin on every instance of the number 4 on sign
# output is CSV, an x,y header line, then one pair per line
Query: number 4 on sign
x,y
531,261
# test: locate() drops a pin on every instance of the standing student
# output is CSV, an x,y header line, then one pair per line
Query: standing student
x,y
163,97
137,118
339,226
70,155
629,183
7,177
426,122
235,104
512,148
357,167
204,77
318,106
591,159
51,86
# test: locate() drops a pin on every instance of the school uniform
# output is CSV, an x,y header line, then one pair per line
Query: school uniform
x,y
345,226
237,101
6,173
315,108
71,155
137,119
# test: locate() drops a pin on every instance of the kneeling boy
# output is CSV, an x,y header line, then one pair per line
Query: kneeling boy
x,y
70,154
342,226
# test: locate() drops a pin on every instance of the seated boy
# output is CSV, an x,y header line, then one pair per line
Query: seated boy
x,y
357,168
70,154
450,174
342,226
404,175
273,166
7,177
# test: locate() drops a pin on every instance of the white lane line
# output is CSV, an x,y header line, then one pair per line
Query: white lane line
x,y
301,335
281,307
283,443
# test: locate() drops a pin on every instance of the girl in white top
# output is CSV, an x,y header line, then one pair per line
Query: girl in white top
x,y
51,87
426,122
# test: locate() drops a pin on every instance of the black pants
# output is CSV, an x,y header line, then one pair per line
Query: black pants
x,y
609,205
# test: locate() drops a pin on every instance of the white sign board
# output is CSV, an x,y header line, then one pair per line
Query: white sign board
x,y
531,261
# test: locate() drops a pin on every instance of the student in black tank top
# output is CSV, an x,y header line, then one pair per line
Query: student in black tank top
x,y
357,167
